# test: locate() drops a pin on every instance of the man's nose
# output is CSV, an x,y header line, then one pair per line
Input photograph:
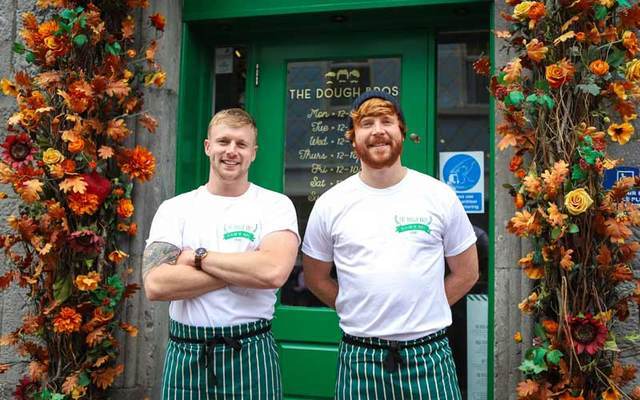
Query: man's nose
x,y
378,127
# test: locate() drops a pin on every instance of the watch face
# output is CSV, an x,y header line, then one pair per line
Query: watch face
x,y
201,252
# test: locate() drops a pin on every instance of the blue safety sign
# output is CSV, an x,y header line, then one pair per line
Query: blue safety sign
x,y
464,173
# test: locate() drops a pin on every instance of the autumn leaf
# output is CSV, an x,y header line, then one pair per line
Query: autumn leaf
x,y
119,89
513,70
37,370
6,173
628,251
105,152
564,37
75,184
130,329
128,27
148,122
508,140
604,255
96,336
117,130
70,383
100,361
622,273
502,34
566,262
617,231
567,24
527,388
48,79
4,368
6,279
9,339
104,378
150,53
555,217
30,190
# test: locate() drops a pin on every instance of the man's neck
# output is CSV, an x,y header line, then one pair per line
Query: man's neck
x,y
383,177
227,189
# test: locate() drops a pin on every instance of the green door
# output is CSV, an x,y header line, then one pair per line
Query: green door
x,y
302,90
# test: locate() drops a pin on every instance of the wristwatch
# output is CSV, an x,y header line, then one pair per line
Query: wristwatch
x,y
200,254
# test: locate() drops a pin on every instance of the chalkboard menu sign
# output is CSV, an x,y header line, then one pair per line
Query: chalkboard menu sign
x,y
319,96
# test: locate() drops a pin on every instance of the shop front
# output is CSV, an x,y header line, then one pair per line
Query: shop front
x,y
297,67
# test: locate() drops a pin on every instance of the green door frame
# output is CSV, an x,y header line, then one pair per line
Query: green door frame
x,y
195,93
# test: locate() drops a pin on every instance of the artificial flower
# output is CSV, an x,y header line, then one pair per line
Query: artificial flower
x,y
52,156
67,321
117,256
86,242
630,42
83,203
18,150
139,163
158,21
8,87
559,73
588,334
550,326
482,65
599,67
620,133
633,70
611,394
527,305
577,201
536,50
125,208
88,282
98,185
517,337
521,11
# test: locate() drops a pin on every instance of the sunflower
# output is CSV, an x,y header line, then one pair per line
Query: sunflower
x,y
588,334
86,242
620,133
18,150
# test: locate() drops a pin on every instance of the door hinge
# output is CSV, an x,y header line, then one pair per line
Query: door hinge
x,y
257,80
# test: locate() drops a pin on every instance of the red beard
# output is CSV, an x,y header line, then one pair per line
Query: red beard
x,y
367,154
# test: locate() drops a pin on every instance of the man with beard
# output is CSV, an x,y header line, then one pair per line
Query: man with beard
x,y
219,253
389,230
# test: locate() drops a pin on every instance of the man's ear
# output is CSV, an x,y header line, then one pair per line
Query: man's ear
x,y
206,147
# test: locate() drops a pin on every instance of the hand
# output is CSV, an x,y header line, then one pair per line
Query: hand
x,y
187,257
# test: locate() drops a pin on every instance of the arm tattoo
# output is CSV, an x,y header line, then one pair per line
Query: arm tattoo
x,y
158,253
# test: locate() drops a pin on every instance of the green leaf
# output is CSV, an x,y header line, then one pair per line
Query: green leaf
x,y
624,3
529,367
64,27
514,98
573,228
611,345
62,288
30,57
83,379
113,49
547,101
44,395
556,232
601,11
83,22
634,337
79,9
539,330
501,76
542,85
18,48
117,48
554,356
590,88
616,57
58,396
68,14
532,98
577,174
80,40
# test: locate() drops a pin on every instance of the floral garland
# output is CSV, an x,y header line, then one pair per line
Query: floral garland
x,y
574,81
65,157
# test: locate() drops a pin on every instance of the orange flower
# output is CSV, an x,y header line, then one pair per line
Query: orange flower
x,y
580,36
611,394
69,166
76,146
117,256
524,223
8,88
125,208
519,201
67,321
560,73
118,192
550,326
517,337
620,133
157,78
633,70
158,21
532,270
88,282
555,217
599,67
536,12
133,229
527,305
83,203
139,163
536,50
532,185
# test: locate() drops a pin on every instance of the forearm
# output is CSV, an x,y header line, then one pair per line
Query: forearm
x,y
178,282
456,285
326,290
255,269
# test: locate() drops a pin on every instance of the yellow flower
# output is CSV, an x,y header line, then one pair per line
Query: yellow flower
x,y
8,87
577,201
127,74
521,11
607,3
633,70
517,337
88,282
620,133
52,156
158,79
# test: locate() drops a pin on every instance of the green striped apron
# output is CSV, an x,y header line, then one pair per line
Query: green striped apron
x,y
193,373
422,369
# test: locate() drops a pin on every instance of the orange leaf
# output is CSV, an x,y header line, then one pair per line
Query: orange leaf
x,y
506,141
617,231
105,152
502,34
128,27
150,53
567,24
70,384
4,368
6,173
96,337
566,262
104,378
604,255
130,329
75,184
513,70
30,190
148,122
37,370
527,388
118,89
47,79
100,361
564,37
6,279
117,130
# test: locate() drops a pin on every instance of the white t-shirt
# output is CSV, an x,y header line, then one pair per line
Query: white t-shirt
x,y
223,224
389,247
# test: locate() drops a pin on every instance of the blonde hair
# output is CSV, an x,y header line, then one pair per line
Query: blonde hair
x,y
233,118
373,108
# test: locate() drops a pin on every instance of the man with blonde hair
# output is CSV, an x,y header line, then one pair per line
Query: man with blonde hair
x,y
389,230
219,253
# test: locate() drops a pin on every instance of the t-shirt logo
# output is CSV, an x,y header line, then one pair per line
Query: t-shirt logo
x,y
406,223
240,231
